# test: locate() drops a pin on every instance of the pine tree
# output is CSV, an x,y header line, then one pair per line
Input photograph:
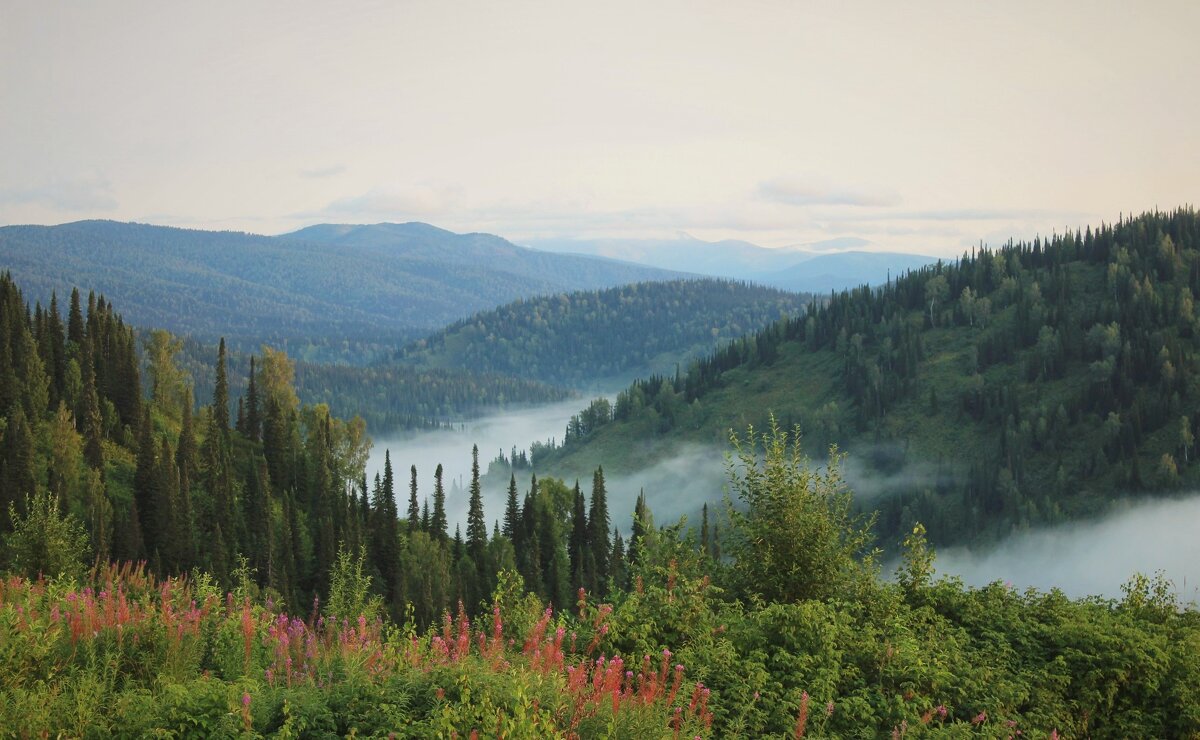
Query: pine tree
x,y
253,412
598,534
437,523
639,529
414,511
89,415
577,540
619,576
75,321
476,525
512,513
221,392
146,481
704,545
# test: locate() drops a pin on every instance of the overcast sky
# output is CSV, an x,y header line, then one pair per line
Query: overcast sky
x,y
921,126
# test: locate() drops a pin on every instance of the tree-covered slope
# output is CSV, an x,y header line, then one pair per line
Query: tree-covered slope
x,y
582,338
1012,387
319,296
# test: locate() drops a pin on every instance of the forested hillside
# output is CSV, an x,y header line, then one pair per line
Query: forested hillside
x,y
389,396
317,297
1012,387
579,339
773,620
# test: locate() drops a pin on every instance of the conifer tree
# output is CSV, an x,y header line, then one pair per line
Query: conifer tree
x,y
75,321
577,540
618,574
476,525
414,511
598,534
221,392
437,523
89,415
253,411
512,513
146,481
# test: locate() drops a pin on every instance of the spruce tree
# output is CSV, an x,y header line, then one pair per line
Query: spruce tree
x,y
253,411
414,511
476,525
221,393
577,540
146,480
512,513
437,523
598,533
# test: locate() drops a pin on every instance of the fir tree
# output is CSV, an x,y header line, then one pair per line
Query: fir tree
x,y
512,513
577,541
598,534
437,523
414,511
476,525
253,413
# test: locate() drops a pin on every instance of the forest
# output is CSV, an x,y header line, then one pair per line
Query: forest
x,y
226,569
1026,385
579,339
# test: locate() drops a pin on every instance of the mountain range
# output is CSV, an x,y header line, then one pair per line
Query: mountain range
x,y
328,292
819,267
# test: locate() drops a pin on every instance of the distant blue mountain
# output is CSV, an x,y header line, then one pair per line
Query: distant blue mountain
x,y
817,268
332,291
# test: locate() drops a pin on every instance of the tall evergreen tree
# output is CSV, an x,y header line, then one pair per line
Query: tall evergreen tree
x,y
75,321
598,534
414,511
476,525
146,481
438,523
221,392
577,540
512,513
253,406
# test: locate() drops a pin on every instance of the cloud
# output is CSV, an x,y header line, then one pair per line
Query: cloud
x,y
799,192
64,195
323,172
425,201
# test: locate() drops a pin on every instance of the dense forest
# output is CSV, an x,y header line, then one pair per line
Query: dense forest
x,y
389,396
558,619
1017,386
324,294
578,339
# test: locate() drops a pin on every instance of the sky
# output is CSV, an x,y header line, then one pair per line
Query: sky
x,y
917,126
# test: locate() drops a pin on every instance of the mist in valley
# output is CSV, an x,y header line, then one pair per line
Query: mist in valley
x,y
1095,557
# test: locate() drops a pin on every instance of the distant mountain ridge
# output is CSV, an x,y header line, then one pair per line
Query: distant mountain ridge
x,y
834,264
327,292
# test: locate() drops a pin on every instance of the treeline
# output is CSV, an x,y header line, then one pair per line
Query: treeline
x,y
260,483
790,632
389,397
1067,368
575,339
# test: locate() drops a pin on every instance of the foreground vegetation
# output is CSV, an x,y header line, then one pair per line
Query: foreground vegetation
x,y
792,634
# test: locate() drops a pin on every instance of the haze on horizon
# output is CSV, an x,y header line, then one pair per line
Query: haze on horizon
x,y
921,127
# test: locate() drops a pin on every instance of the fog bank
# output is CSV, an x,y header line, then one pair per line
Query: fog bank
x,y
1096,557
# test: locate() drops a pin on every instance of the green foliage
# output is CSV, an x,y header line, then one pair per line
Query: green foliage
x,y
45,541
577,339
1029,384
350,587
794,534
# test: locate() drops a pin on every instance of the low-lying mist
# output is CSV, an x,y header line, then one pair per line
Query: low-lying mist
x,y
1089,558
1095,557
674,487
